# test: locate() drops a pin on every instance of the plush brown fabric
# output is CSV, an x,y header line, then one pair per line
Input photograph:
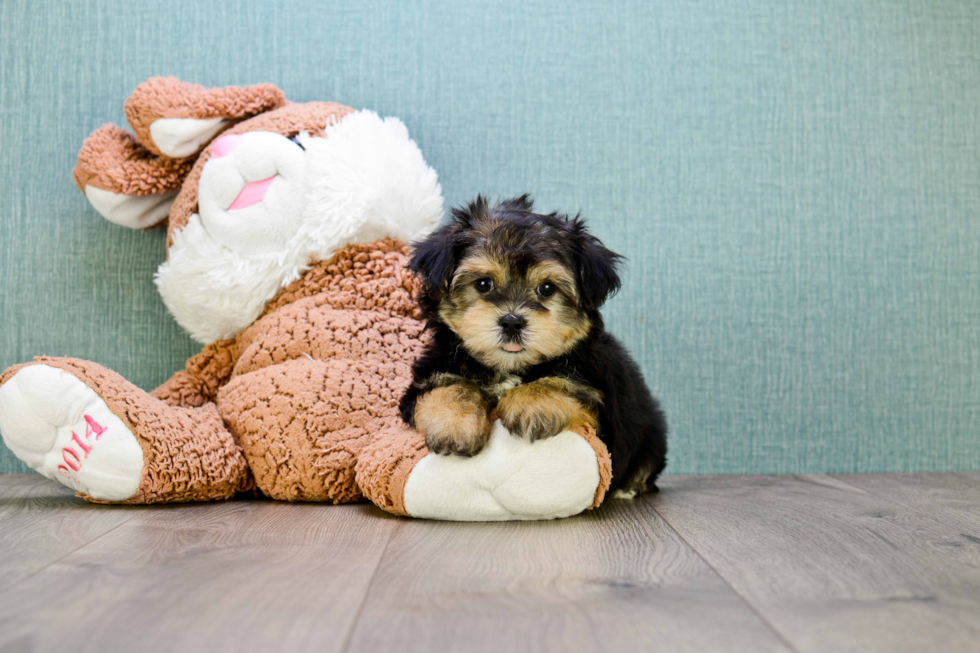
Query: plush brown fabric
x,y
113,160
322,371
302,423
384,464
289,120
181,390
321,332
168,97
605,462
188,454
367,277
201,377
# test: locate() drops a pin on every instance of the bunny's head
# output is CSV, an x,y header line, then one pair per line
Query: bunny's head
x,y
254,189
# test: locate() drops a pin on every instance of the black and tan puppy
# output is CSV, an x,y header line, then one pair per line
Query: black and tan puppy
x,y
513,298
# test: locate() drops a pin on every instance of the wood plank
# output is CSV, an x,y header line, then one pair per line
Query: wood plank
x,y
236,575
614,579
953,498
42,521
831,566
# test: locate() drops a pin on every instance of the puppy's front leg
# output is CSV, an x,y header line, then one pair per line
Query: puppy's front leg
x,y
548,406
454,419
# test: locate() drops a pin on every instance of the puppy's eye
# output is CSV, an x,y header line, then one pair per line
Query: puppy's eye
x,y
547,289
484,285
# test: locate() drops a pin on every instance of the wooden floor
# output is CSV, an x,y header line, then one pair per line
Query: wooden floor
x,y
762,563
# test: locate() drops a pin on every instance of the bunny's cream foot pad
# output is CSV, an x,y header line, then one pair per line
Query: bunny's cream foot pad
x,y
60,427
511,479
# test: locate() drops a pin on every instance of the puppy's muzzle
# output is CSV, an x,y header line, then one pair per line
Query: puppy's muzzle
x,y
511,328
512,325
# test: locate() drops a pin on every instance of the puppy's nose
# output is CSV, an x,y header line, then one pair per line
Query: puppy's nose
x,y
512,324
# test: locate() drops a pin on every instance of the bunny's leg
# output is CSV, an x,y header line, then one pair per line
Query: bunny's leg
x,y
303,422
91,430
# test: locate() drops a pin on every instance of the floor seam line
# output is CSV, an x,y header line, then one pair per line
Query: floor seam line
x,y
877,495
70,553
367,592
768,624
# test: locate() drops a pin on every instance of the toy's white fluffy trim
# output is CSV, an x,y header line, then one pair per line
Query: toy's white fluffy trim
x,y
364,180
511,479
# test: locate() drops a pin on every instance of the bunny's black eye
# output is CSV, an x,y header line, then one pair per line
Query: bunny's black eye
x,y
547,289
484,285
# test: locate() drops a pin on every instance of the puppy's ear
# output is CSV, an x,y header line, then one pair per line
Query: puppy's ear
x,y
595,265
437,256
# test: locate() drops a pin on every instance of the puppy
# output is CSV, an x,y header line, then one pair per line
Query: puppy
x,y
513,298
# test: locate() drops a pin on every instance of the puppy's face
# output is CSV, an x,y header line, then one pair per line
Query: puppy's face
x,y
518,288
512,313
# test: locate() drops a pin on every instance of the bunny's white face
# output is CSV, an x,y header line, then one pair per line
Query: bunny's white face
x,y
252,192
269,205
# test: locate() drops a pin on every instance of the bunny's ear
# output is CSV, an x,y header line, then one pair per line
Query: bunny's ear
x,y
124,182
177,119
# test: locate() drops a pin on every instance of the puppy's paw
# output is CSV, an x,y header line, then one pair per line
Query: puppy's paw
x,y
530,413
623,494
454,420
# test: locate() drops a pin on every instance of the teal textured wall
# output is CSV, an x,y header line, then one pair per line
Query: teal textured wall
x,y
795,184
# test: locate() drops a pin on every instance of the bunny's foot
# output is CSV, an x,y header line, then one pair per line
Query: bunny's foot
x,y
60,427
91,430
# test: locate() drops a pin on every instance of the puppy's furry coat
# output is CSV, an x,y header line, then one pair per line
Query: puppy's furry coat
x,y
513,299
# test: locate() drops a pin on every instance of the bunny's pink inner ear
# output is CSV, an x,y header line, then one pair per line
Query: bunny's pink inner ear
x,y
177,119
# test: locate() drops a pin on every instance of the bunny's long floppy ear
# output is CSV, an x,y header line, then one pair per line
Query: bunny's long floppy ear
x,y
126,183
177,119
133,180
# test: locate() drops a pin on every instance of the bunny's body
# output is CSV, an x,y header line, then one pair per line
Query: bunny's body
x,y
286,258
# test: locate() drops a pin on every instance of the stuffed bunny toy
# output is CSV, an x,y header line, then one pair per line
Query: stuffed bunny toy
x,y
287,227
